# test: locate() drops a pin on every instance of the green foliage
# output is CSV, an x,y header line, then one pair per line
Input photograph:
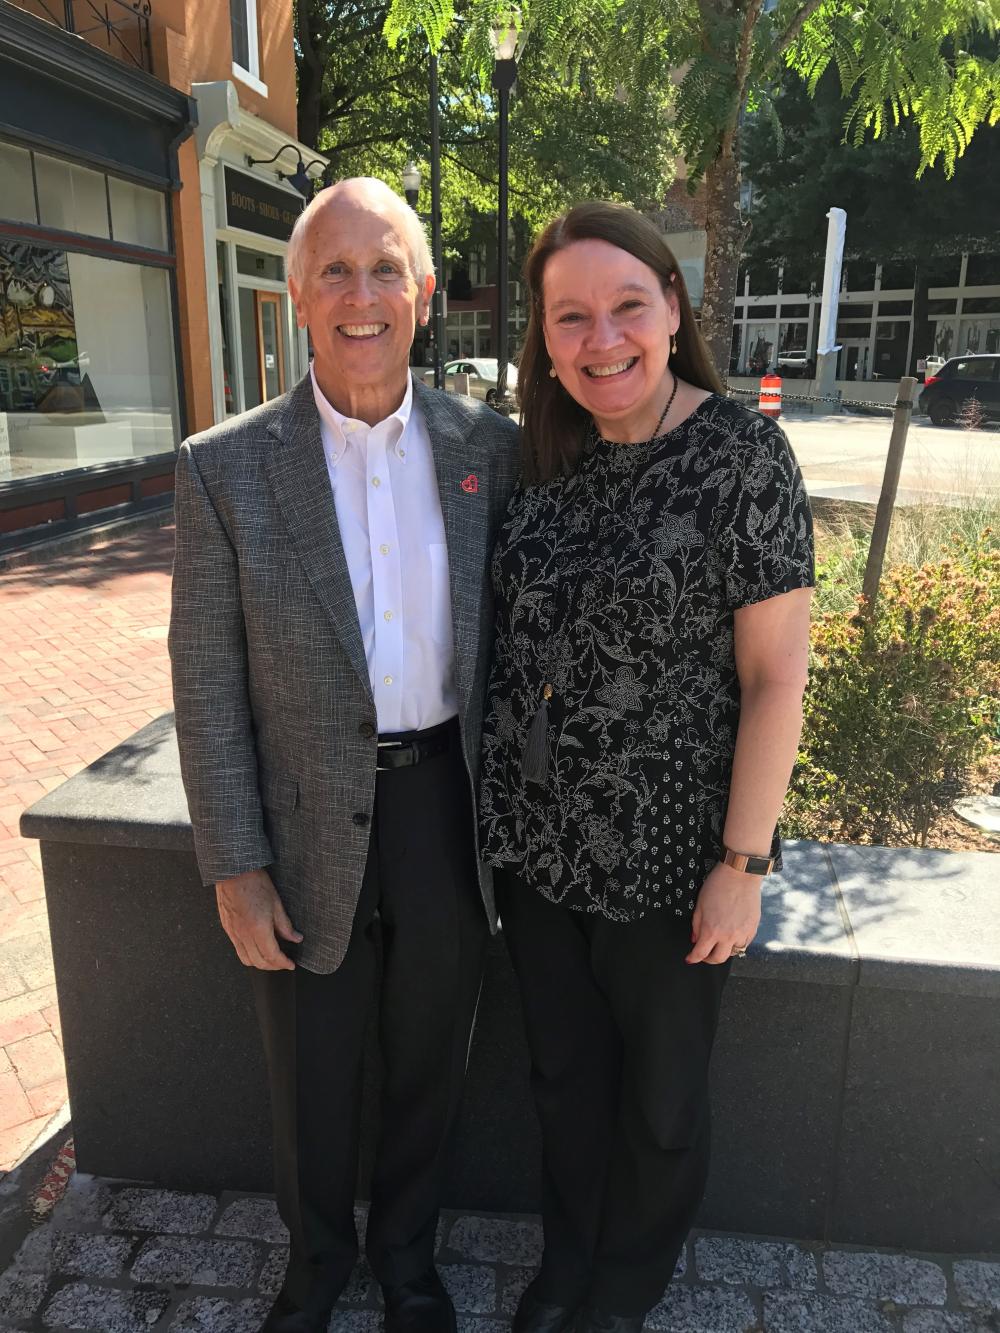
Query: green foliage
x,y
570,137
935,64
901,703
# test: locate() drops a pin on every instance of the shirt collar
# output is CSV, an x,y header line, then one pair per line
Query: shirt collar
x,y
340,429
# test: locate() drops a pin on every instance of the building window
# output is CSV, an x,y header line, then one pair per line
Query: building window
x,y
86,360
246,58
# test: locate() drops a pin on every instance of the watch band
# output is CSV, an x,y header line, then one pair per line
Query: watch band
x,y
747,861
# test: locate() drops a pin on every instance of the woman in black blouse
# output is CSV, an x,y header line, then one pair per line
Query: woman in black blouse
x,y
652,599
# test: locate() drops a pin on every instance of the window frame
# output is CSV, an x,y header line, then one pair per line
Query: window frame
x,y
251,77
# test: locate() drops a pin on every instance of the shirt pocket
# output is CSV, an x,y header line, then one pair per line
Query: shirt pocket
x,y
441,631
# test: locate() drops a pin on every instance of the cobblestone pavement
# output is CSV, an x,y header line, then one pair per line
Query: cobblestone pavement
x,y
84,664
121,1259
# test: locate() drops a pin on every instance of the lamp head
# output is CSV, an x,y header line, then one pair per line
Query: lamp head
x,y
506,37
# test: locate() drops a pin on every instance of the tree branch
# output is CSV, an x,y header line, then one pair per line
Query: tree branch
x,y
744,51
791,33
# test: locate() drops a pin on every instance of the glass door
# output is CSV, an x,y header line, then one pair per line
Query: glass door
x,y
270,345
262,343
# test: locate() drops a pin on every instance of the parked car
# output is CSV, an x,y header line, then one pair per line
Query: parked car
x,y
482,373
960,379
796,363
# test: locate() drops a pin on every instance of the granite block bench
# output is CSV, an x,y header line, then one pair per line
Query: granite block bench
x,y
857,1072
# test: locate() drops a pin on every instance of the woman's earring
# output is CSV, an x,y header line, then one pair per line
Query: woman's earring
x,y
673,345
552,372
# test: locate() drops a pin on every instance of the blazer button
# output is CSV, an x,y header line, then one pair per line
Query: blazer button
x,y
367,730
360,819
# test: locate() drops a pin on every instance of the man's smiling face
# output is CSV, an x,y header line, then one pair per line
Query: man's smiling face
x,y
355,288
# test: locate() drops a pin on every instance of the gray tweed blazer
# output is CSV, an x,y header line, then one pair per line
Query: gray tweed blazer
x,y
273,703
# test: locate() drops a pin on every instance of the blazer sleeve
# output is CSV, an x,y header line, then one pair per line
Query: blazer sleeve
x,y
208,657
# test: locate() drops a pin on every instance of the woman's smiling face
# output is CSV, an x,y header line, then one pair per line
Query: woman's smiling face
x,y
608,325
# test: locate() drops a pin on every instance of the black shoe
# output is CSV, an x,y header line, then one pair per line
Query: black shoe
x,y
535,1316
420,1306
592,1320
286,1317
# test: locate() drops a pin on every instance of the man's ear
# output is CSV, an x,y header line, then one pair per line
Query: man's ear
x,y
423,312
293,292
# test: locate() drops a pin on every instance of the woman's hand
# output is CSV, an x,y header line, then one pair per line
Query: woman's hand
x,y
726,915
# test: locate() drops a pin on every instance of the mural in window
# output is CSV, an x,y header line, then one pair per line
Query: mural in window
x,y
40,364
87,371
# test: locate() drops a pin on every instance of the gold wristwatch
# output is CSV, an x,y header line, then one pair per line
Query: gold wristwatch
x,y
750,862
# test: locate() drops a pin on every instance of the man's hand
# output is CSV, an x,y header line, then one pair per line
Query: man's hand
x,y
254,919
726,915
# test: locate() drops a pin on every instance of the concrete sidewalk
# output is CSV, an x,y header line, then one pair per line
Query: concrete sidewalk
x,y
120,1259
84,664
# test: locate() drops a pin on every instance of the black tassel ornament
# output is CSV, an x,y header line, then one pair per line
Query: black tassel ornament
x,y
535,755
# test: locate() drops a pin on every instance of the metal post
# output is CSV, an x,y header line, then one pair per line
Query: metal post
x,y
503,286
437,322
887,499
504,74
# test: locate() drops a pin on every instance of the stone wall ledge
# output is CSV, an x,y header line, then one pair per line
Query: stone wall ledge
x,y
844,915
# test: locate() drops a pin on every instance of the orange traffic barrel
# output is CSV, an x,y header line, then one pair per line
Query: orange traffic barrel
x,y
769,402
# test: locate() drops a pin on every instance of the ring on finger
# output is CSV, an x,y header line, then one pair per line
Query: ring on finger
x,y
738,951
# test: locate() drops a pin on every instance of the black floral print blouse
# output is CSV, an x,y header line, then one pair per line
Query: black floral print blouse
x,y
617,585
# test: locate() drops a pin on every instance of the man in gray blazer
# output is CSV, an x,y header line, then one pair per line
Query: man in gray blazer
x,y
330,640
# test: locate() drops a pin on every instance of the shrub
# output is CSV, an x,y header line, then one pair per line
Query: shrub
x,y
901,702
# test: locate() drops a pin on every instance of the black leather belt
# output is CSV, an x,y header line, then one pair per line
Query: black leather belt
x,y
410,748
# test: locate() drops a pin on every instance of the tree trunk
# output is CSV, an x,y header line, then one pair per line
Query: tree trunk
x,y
310,103
723,249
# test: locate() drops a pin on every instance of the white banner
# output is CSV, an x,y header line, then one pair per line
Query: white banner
x,y
831,281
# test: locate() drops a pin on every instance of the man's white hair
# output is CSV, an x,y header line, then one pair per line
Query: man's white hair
x,y
410,226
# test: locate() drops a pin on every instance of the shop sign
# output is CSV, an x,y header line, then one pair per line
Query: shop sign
x,y
254,205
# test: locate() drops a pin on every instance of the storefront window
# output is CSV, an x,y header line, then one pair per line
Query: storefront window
x,y
256,264
71,198
17,198
138,215
227,324
86,359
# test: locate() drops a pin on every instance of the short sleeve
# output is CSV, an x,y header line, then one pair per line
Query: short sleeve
x,y
766,534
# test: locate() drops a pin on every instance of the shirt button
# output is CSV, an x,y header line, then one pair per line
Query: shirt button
x,y
384,549
349,426
402,453
386,680
367,730
360,819
376,481
388,615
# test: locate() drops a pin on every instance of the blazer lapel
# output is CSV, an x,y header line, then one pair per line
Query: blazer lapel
x,y
298,476
466,525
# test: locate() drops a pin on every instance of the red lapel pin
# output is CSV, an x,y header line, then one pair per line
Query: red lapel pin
x,y
471,484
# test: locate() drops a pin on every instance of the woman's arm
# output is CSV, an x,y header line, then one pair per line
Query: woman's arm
x,y
771,641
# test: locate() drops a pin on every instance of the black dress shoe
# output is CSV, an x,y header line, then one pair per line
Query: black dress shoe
x,y
592,1320
420,1306
286,1317
535,1316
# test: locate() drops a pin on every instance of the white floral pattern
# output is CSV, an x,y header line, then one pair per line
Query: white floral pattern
x,y
656,545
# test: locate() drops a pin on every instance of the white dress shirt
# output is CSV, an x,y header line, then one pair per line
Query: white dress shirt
x,y
389,512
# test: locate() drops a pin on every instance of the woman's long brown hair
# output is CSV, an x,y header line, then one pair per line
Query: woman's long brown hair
x,y
554,425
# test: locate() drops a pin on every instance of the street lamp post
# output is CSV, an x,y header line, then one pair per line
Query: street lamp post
x,y
507,43
411,189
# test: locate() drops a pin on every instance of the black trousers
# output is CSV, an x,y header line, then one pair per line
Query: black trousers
x,y
420,900
620,1031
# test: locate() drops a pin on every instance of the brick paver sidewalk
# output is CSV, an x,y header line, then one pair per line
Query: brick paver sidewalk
x,y
119,1259
83,664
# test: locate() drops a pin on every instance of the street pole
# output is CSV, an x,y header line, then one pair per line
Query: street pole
x,y
437,322
503,285
887,499
507,41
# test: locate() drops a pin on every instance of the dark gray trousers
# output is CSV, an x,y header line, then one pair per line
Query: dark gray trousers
x,y
421,909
